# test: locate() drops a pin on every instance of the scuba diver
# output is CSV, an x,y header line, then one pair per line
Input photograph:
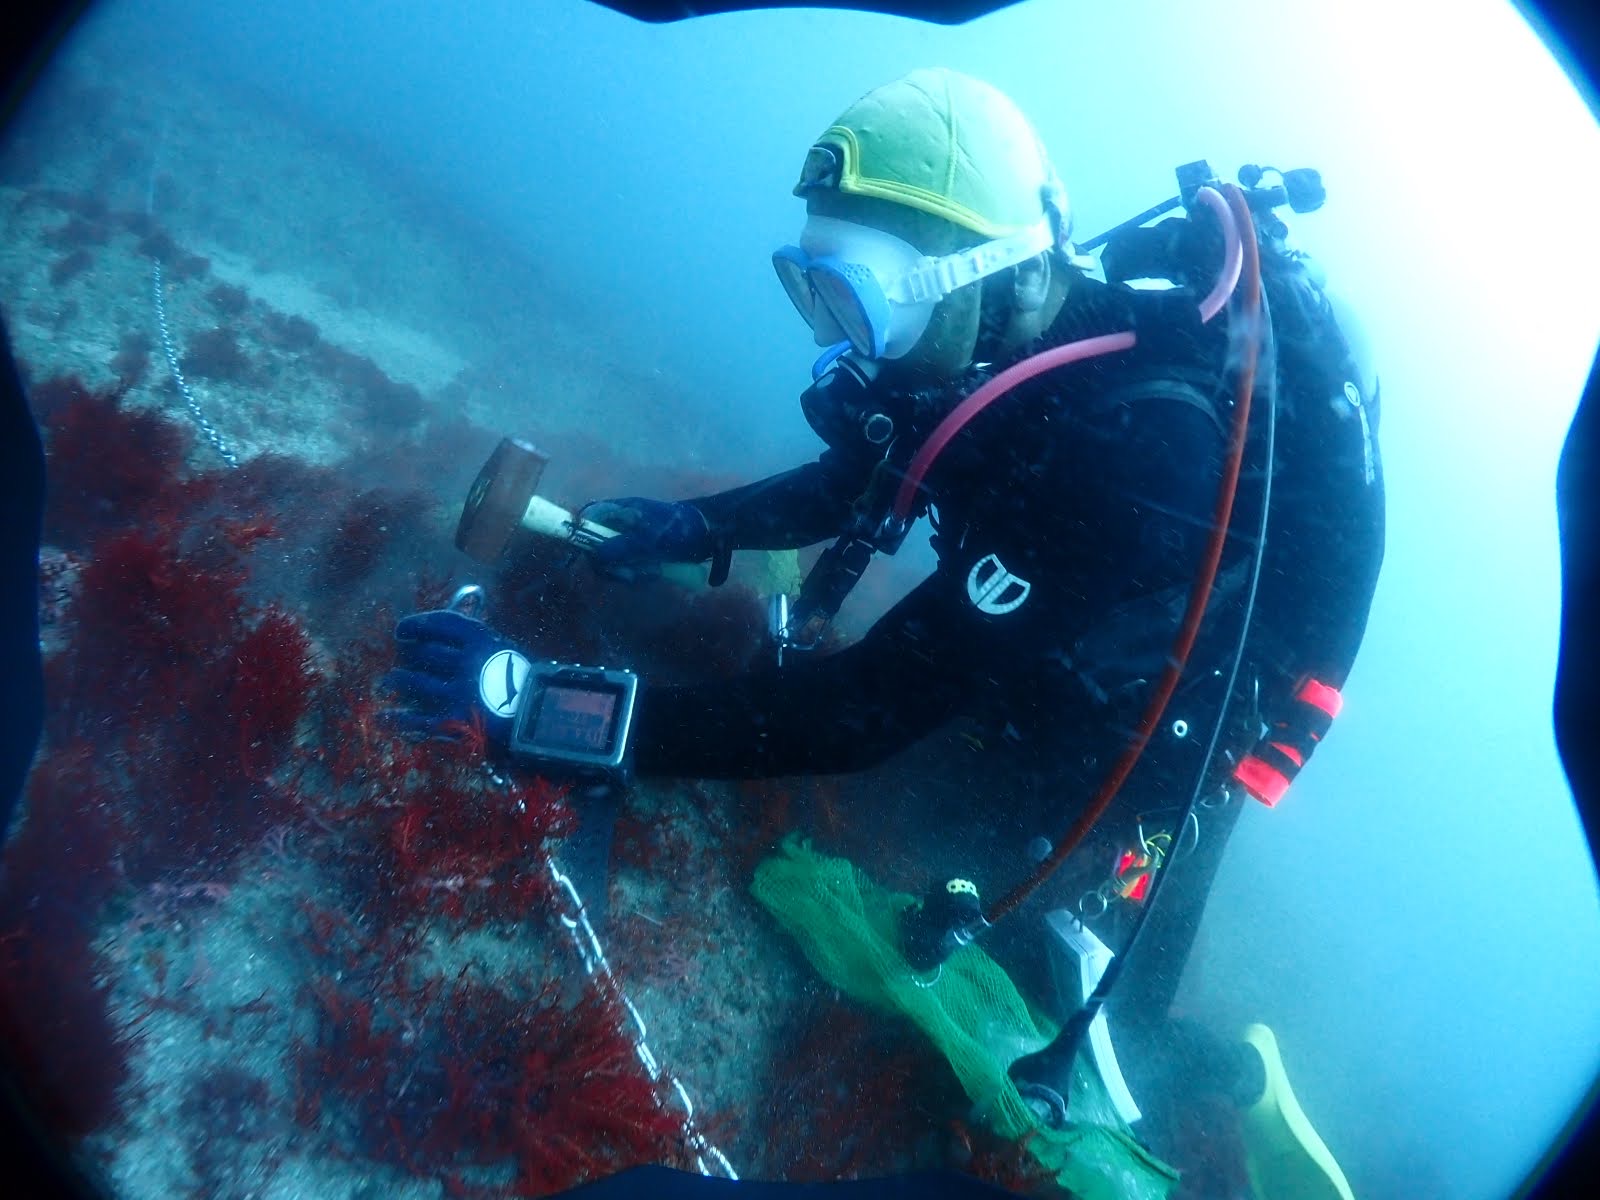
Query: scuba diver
x,y
1070,503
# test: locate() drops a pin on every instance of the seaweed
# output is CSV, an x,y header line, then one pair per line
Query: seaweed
x,y
215,354
201,718
289,332
370,523
157,243
65,1047
484,1086
132,360
1012,1167
439,838
385,401
296,492
853,1096
88,205
69,266
200,692
269,691
189,266
228,1099
229,300
108,466
76,232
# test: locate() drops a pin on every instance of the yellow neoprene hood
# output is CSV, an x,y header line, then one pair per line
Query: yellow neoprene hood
x,y
945,143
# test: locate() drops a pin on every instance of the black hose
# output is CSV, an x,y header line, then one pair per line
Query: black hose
x,y
1108,980
1055,1060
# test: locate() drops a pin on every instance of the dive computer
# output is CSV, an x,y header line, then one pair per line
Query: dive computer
x,y
576,721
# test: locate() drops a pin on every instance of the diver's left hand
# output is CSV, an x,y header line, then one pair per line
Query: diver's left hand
x,y
451,672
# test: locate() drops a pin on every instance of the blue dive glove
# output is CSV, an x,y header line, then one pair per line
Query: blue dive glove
x,y
449,669
650,531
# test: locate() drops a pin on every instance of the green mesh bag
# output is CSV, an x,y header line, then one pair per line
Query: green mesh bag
x,y
848,928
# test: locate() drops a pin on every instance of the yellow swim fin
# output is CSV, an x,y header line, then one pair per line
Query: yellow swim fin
x,y
1286,1158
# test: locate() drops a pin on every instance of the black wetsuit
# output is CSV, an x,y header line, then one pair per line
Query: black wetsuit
x,y
1093,487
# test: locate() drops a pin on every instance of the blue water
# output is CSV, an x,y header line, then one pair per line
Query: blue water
x,y
1419,921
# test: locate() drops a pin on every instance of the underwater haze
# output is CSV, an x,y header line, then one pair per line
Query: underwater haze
x,y
1419,921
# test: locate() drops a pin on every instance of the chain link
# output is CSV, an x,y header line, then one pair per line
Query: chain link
x,y
195,411
587,943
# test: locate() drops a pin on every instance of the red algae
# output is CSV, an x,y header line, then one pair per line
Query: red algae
x,y
108,465
201,694
487,1086
57,1030
215,354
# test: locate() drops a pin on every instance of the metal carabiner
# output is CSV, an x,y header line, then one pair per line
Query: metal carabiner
x,y
470,600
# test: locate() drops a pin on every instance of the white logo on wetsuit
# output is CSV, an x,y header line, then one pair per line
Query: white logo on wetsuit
x,y
500,682
993,589
1353,394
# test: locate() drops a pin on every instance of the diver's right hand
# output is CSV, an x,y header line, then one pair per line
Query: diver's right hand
x,y
649,531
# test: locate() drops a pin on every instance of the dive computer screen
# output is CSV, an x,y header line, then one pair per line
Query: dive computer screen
x,y
575,719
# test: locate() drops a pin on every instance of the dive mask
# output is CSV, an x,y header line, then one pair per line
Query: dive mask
x,y
853,282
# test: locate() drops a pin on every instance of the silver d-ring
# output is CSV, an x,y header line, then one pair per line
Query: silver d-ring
x,y
470,601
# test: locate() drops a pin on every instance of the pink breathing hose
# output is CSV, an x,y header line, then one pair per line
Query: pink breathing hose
x,y
1059,356
1199,593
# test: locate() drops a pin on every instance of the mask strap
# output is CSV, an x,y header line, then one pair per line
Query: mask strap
x,y
937,278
